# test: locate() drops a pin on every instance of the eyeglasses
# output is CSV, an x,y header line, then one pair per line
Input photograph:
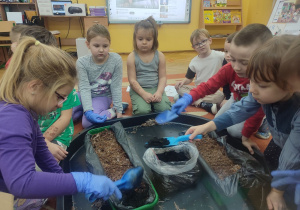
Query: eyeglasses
x,y
200,44
61,99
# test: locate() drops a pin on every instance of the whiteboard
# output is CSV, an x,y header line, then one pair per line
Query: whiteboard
x,y
163,11
285,18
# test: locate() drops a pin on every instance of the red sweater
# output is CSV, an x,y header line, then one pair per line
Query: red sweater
x,y
238,86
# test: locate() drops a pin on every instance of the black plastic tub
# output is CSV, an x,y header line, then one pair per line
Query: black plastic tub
x,y
203,195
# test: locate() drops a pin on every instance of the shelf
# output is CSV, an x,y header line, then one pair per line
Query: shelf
x,y
219,38
218,8
223,24
9,3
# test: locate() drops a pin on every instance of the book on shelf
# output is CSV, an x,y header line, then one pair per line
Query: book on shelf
x,y
236,16
226,16
208,16
206,3
221,3
218,16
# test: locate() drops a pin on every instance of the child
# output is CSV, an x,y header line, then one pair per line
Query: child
x,y
32,85
282,108
57,126
146,68
263,131
14,35
227,59
289,73
203,66
234,73
100,80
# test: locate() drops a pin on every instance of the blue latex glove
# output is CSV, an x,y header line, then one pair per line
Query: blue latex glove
x,y
94,118
182,103
95,186
285,178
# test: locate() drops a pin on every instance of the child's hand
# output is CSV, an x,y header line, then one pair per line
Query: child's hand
x,y
119,115
179,85
147,97
157,97
57,151
249,144
201,129
275,200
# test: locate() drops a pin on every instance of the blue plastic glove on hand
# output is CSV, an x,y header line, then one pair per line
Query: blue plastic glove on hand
x,y
94,118
285,178
95,186
182,103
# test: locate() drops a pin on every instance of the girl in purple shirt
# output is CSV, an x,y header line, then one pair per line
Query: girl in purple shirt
x,y
38,81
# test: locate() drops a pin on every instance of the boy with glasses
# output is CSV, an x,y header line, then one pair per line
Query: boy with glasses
x,y
202,67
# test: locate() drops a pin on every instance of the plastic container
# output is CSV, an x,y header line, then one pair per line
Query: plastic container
x,y
97,10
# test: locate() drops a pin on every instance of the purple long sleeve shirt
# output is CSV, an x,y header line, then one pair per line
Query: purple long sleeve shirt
x,y
21,146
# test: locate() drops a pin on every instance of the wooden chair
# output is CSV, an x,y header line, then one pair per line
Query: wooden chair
x,y
5,28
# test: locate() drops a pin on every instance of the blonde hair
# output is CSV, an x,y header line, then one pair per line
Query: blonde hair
x,y
197,33
33,60
97,30
265,61
147,24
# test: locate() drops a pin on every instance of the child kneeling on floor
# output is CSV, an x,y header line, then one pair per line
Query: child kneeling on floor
x,y
100,80
146,68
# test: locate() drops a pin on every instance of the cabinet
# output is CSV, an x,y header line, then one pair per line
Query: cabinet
x,y
218,22
15,7
92,20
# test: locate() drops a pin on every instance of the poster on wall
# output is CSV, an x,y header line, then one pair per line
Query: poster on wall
x,y
285,18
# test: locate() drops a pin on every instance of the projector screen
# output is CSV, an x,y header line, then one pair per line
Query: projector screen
x,y
163,11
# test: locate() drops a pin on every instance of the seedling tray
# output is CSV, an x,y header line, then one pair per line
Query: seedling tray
x,y
196,197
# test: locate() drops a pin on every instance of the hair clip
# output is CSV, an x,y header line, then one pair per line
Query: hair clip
x,y
37,42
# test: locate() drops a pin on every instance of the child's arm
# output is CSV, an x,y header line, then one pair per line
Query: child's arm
x,y
116,86
59,125
238,112
131,72
251,126
162,79
185,81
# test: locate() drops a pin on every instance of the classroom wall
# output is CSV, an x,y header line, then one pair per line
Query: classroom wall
x,y
172,37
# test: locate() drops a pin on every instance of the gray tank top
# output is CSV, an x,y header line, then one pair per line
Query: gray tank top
x,y
147,73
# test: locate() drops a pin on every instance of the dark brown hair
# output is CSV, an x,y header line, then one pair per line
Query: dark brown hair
x,y
265,61
147,24
290,65
41,34
17,29
97,30
251,34
230,37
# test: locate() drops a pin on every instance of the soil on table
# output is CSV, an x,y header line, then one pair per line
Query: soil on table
x,y
115,163
157,142
215,156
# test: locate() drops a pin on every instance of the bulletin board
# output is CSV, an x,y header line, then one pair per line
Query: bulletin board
x,y
285,18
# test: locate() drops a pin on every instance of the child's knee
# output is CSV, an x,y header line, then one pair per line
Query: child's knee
x,y
234,132
162,106
140,110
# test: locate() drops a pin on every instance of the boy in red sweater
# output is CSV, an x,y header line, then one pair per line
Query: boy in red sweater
x,y
234,74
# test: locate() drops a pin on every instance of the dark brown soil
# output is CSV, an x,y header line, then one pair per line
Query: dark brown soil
x,y
115,163
172,156
216,157
114,160
157,142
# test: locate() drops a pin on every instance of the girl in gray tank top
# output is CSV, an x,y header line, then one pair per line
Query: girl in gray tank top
x,y
146,68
